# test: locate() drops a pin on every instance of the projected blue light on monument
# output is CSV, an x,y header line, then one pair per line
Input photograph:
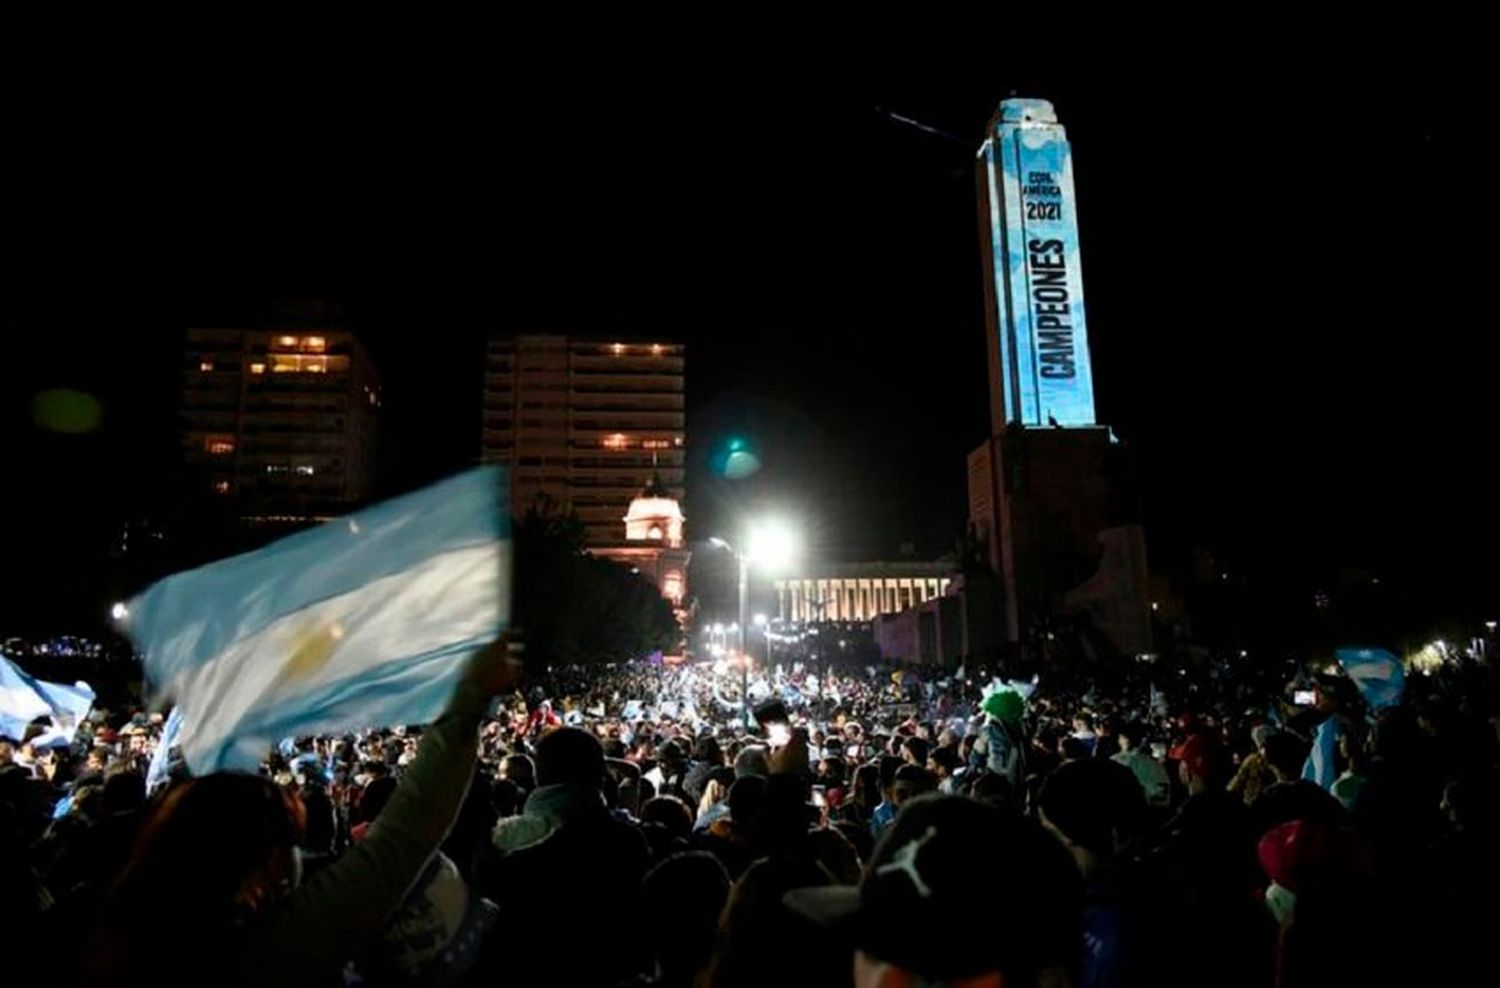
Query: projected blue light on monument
x,y
1038,276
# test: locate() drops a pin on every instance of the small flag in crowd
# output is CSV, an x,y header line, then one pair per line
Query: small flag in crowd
x,y
161,758
363,622
1319,767
1378,674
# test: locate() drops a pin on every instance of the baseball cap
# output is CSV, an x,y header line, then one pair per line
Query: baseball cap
x,y
956,889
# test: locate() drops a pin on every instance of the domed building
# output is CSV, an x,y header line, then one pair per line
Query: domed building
x,y
653,543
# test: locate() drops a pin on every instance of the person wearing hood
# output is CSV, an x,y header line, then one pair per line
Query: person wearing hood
x,y
1001,745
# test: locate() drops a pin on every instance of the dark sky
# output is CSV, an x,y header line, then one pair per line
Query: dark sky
x,y
1283,261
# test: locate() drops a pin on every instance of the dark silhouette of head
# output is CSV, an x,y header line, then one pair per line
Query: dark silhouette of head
x,y
569,756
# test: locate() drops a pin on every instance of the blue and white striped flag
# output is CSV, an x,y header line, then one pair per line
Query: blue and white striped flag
x,y
362,622
20,703
69,705
161,758
1320,767
1378,674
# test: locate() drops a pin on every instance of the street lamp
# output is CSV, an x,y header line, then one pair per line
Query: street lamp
x,y
769,545
765,626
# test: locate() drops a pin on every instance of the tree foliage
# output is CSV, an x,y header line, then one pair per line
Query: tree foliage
x,y
572,608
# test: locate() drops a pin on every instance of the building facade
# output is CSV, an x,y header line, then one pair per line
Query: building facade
x,y
279,422
859,591
653,544
581,422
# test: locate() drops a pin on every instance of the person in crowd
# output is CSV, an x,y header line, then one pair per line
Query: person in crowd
x,y
216,864
667,823
933,908
1352,779
865,796
684,896
1083,731
1255,773
1292,797
729,838
945,764
1151,774
1001,745
706,758
914,751
1094,807
1321,898
885,812
566,844
910,782
1198,879
520,769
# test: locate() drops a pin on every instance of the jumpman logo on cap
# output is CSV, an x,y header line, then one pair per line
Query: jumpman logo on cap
x,y
905,861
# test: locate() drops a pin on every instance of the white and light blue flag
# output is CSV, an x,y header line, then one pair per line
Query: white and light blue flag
x,y
1319,767
20,703
161,758
69,705
1379,675
362,622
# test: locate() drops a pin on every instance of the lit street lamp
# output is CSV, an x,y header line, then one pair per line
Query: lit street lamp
x,y
769,545
765,628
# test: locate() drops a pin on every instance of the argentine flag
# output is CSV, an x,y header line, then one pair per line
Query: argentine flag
x,y
1319,767
24,698
20,704
363,622
1379,675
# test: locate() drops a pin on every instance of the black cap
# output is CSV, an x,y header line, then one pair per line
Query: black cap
x,y
957,889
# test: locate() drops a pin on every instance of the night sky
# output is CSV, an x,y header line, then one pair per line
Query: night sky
x,y
1283,270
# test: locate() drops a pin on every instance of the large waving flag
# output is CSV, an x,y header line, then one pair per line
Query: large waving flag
x,y
1378,674
20,703
360,622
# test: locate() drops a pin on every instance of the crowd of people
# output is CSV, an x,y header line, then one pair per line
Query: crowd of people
x,y
664,825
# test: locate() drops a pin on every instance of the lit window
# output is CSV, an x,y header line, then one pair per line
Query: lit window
x,y
206,365
655,444
616,441
618,349
306,471
677,441
656,349
672,586
316,365
218,445
287,340
315,343
221,487
276,468
257,368
283,364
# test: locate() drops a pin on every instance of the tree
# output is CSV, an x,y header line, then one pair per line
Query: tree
x,y
572,608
